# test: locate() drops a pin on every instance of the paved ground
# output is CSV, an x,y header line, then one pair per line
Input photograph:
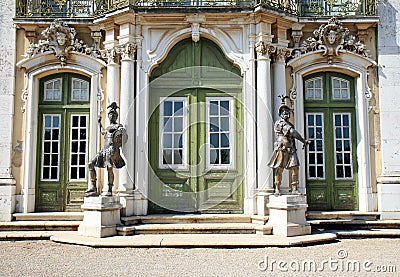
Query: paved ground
x,y
366,257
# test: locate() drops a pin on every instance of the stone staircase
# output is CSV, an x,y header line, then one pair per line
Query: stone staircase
x,y
354,224
194,224
39,225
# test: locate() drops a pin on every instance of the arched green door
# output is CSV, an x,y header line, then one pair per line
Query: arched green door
x,y
331,126
63,122
195,132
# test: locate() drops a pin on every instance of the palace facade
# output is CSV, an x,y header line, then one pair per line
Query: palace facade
x,y
198,84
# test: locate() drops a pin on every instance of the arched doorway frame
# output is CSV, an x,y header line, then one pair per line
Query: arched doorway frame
x,y
36,68
357,67
152,58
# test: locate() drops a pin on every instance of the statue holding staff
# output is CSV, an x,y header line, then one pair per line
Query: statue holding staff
x,y
285,152
110,156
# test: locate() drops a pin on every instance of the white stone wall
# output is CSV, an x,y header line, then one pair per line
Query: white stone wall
x,y
389,96
7,72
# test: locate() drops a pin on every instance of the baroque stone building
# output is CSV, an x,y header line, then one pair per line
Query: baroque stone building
x,y
197,83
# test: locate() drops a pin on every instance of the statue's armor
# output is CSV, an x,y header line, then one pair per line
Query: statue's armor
x,y
284,148
110,154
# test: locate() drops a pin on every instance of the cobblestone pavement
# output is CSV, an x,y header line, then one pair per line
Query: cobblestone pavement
x,y
363,257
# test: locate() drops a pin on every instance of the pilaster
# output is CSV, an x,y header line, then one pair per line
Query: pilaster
x,y
127,50
264,118
7,76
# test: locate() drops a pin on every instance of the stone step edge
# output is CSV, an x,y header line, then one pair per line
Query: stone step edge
x,y
355,222
311,215
193,228
49,216
189,218
39,225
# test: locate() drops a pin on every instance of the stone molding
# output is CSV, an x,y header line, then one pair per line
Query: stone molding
x,y
331,38
274,51
60,40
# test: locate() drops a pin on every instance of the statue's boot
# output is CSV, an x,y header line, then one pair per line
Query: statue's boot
x,y
109,191
93,189
294,188
277,189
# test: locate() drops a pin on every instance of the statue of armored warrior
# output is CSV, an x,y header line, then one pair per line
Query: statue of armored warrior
x,y
110,156
285,155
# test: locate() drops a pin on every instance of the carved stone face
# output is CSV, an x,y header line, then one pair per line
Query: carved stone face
x,y
61,38
331,36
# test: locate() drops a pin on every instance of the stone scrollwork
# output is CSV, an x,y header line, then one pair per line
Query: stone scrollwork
x,y
331,38
264,49
261,48
127,50
60,39
195,31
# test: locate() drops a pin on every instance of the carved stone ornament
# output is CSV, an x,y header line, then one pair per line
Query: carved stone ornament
x,y
331,38
60,39
195,31
127,50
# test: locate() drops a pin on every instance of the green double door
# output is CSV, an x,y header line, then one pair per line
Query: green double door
x,y
195,132
63,128
331,157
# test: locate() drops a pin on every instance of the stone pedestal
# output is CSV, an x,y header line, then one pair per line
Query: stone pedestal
x,y
7,201
262,202
101,215
388,197
287,215
140,203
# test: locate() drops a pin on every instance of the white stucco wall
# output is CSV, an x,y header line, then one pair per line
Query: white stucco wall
x,y
7,72
389,94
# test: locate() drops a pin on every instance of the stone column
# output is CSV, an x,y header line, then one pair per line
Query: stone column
x,y
389,99
140,206
127,48
249,102
7,75
265,138
279,88
113,82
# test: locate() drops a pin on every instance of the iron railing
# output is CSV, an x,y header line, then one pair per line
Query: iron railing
x,y
92,8
337,8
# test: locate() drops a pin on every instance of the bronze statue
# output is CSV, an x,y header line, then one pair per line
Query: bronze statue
x,y
109,157
285,156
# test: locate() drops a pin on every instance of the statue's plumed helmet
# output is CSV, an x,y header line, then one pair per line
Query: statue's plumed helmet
x,y
113,108
282,108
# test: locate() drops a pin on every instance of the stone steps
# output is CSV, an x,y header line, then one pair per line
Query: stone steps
x,y
49,216
354,224
39,226
342,215
195,228
191,218
194,224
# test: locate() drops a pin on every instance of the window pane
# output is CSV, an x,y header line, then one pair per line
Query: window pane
x,y
340,89
50,147
314,89
219,132
315,133
78,152
52,90
173,120
80,90
342,140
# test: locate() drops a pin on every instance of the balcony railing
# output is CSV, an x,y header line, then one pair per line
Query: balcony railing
x,y
338,8
92,8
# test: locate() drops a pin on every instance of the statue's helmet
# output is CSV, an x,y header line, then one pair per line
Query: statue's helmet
x,y
282,108
113,108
